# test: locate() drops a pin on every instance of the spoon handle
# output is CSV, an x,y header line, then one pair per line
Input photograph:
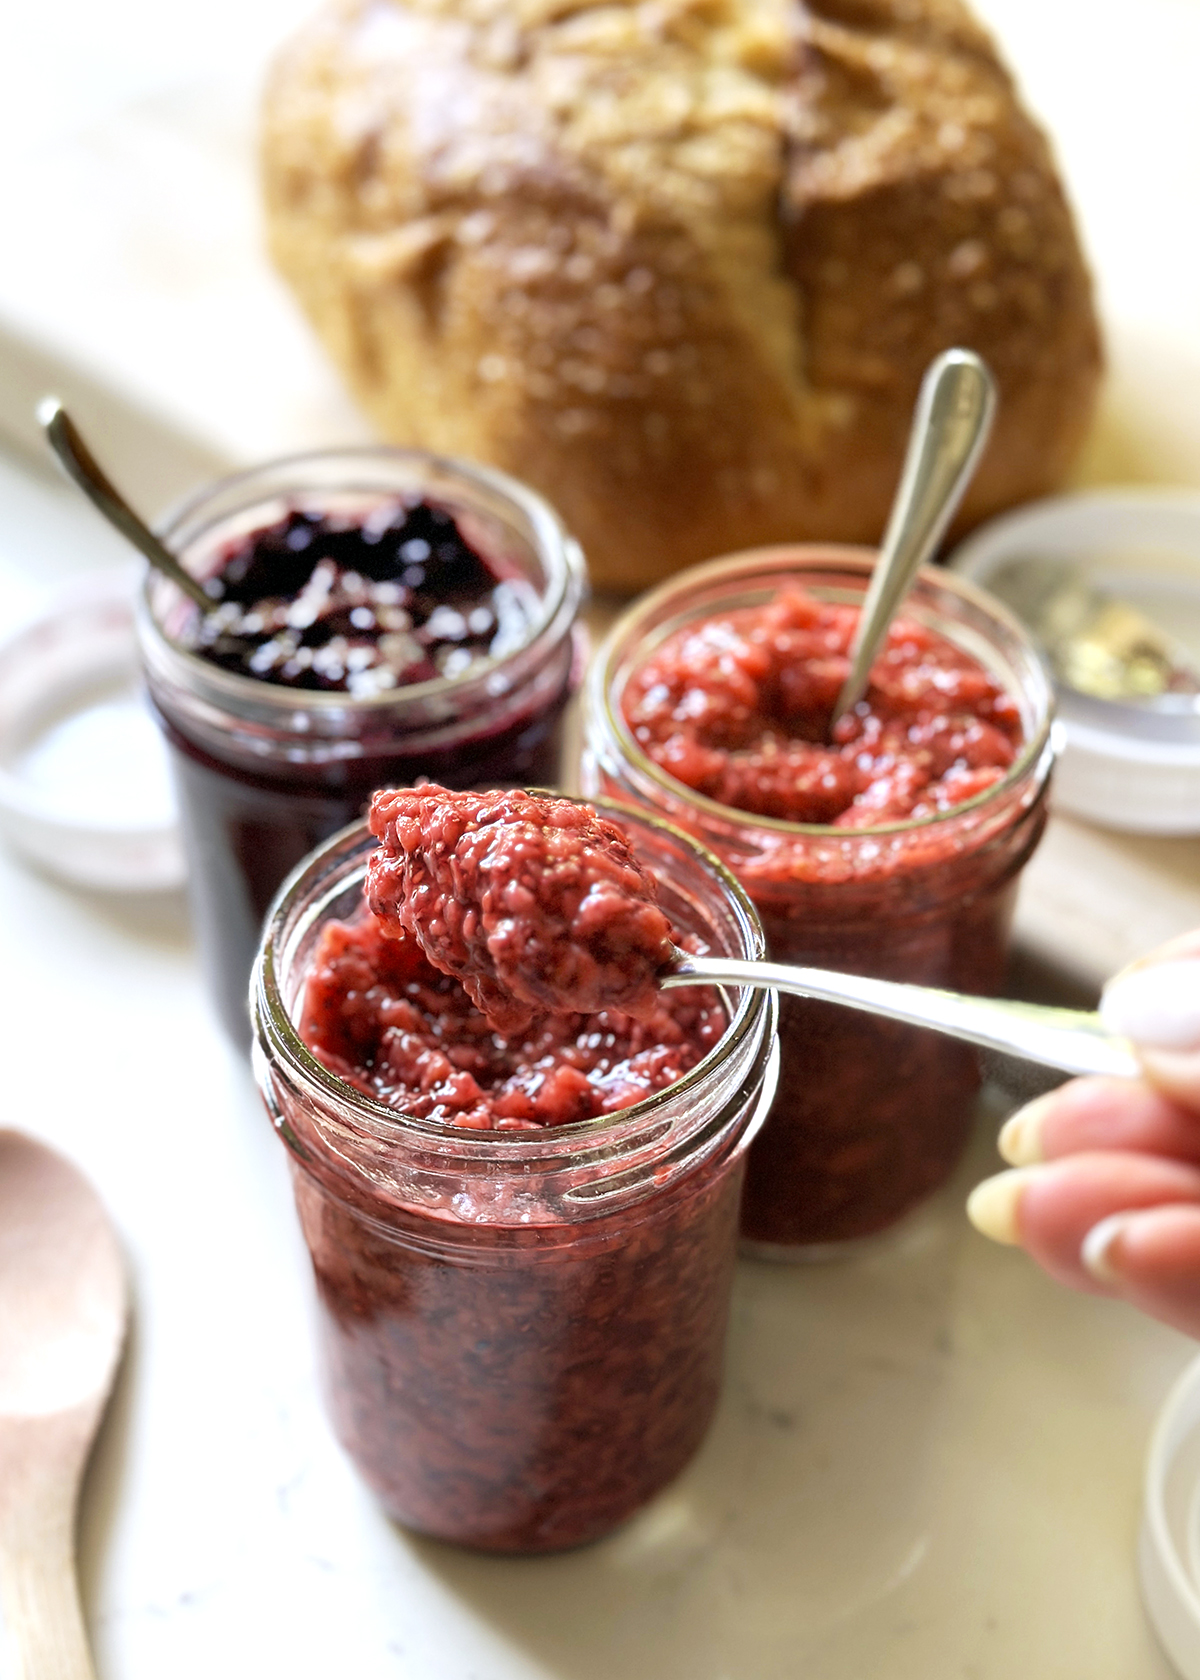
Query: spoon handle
x,y
81,466
950,427
41,1461
1074,1040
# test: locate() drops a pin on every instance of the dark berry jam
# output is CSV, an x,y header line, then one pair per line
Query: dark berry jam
x,y
871,1115
532,904
323,601
341,612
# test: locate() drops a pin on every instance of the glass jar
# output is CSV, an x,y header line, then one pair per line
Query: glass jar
x,y
266,772
521,1332
871,1115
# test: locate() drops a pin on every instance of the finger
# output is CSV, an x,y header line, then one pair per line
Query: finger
x,y
1049,1210
1156,1003
1104,1114
1151,1260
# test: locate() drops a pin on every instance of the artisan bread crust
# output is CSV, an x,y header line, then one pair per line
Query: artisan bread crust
x,y
679,264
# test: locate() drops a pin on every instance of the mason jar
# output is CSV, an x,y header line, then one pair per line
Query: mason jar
x,y
871,1115
521,1332
266,772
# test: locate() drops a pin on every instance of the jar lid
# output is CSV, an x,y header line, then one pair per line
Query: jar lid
x,y
85,789
1108,583
1169,1545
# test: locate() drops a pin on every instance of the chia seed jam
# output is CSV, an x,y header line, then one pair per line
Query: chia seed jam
x,y
533,904
378,616
889,846
522,1309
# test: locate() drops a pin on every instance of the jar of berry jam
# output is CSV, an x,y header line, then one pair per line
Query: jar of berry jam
x,y
521,1330
714,694
379,615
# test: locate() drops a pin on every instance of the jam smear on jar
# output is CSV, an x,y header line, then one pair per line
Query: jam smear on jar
x,y
359,605
532,903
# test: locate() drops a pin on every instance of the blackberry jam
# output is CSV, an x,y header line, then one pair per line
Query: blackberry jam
x,y
285,708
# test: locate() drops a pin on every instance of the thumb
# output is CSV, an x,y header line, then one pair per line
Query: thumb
x,y
1156,1003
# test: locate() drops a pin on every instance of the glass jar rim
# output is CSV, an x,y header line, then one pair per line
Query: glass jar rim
x,y
273,1024
781,559
566,582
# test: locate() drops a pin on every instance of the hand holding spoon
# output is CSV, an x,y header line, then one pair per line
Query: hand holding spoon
x,y
62,1323
950,427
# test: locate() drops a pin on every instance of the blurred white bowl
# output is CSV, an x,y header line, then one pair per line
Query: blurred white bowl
x,y
1169,1546
85,790
1121,765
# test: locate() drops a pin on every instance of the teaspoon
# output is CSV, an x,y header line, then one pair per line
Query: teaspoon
x,y
80,465
1073,1040
950,427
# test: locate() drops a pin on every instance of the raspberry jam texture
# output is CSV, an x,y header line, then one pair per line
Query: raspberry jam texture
x,y
532,903
469,894
871,1115
738,706
362,605
522,1328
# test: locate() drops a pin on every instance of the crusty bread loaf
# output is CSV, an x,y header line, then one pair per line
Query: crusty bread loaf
x,y
680,264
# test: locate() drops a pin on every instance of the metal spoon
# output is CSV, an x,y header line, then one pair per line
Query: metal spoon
x,y
1071,1039
950,427
80,465
62,1322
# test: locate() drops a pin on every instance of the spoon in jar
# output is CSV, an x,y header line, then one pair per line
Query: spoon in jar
x,y
950,427
63,1305
1073,1040
79,464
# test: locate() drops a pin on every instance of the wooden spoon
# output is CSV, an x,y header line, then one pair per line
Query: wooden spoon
x,y
63,1307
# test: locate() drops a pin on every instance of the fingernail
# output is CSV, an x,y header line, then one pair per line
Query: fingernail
x,y
1096,1249
1157,1005
1020,1140
992,1205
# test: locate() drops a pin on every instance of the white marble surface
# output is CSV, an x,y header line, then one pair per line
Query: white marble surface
x,y
927,1461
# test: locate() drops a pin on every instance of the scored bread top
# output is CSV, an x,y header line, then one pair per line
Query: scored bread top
x,y
680,264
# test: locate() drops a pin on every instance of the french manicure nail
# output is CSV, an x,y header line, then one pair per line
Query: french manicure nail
x,y
1020,1140
992,1205
1157,1005
1096,1249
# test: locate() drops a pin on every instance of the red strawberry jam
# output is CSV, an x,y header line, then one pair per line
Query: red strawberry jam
x,y
738,708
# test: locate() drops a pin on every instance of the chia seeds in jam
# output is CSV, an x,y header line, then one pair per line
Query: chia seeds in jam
x,y
889,846
533,904
360,605
344,583
521,1317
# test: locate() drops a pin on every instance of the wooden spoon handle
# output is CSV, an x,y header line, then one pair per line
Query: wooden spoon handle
x,y
39,1483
